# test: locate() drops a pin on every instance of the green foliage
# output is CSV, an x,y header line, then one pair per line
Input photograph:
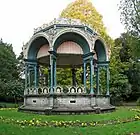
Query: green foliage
x,y
134,79
10,83
8,62
127,128
127,68
120,113
114,129
64,76
130,17
86,12
119,63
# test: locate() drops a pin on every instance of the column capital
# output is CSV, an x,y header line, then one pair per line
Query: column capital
x,y
30,62
88,54
54,53
103,63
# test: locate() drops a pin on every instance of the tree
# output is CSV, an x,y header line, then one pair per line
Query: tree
x,y
120,87
86,12
128,65
130,17
9,74
124,42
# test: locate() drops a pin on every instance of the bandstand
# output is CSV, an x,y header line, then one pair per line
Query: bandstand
x,y
65,43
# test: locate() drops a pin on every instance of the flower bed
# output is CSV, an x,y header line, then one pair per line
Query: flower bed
x,y
76,123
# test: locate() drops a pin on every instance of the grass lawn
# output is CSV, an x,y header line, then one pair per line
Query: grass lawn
x,y
121,114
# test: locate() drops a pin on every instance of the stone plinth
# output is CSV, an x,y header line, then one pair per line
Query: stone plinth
x,y
66,103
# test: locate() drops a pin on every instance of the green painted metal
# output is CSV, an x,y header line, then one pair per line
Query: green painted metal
x,y
84,75
49,77
107,81
97,80
82,39
35,76
100,50
71,36
55,80
26,76
52,75
35,46
31,69
29,79
91,76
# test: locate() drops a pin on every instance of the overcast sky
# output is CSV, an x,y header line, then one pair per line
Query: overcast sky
x,y
18,18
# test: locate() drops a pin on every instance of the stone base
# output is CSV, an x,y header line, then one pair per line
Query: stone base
x,y
66,104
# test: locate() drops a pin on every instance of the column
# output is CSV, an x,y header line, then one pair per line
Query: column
x,y
53,70
49,76
29,79
35,76
26,79
97,80
26,76
84,75
107,81
52,78
54,67
91,76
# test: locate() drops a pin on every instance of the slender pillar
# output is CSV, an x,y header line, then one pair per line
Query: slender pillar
x,y
85,75
38,76
91,76
29,78
97,80
53,70
107,81
49,77
26,80
26,76
52,79
54,73
35,76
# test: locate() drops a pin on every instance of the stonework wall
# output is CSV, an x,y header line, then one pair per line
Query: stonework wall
x,y
72,102
67,101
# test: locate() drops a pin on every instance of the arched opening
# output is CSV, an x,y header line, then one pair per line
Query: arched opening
x,y
100,51
69,54
102,68
73,50
75,37
37,55
35,45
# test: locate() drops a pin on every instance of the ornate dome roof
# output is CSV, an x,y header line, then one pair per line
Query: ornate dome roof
x,y
64,22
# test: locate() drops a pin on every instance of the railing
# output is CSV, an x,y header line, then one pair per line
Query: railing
x,y
56,90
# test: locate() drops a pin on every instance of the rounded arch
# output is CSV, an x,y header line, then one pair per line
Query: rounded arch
x,y
35,43
72,35
100,49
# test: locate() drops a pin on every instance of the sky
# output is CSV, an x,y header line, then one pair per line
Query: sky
x,y
18,18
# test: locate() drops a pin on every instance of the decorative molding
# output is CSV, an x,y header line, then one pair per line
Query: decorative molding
x,y
66,22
